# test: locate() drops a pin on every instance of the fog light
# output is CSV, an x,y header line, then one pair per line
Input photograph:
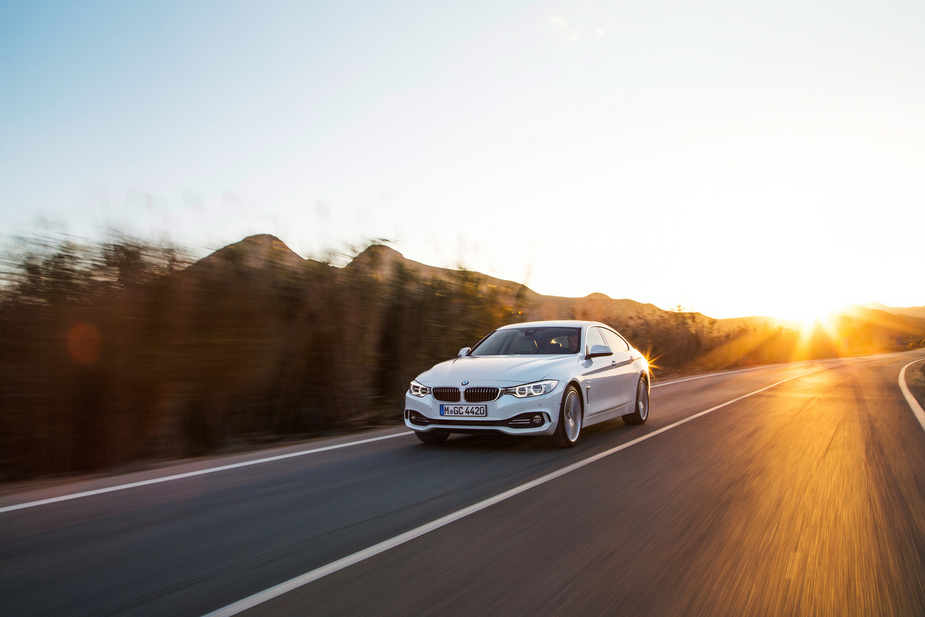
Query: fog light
x,y
537,419
416,418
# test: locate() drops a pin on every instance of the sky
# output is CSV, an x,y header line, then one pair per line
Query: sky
x,y
734,158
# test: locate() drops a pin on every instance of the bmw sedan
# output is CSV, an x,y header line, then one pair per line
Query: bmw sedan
x,y
546,378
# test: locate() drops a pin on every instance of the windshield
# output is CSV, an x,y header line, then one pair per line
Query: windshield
x,y
522,341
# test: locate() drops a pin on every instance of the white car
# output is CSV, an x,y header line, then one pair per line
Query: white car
x,y
540,378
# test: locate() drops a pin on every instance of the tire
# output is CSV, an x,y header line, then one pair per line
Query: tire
x,y
433,437
641,409
571,414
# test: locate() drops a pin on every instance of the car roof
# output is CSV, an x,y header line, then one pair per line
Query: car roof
x,y
560,323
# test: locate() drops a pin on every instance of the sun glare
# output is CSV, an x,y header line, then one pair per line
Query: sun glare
x,y
808,313
817,316
815,322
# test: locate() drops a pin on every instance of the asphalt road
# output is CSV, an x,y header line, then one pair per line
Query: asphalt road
x,y
805,498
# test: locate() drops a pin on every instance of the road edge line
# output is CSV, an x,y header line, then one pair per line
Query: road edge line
x,y
779,365
190,474
335,566
913,404
717,374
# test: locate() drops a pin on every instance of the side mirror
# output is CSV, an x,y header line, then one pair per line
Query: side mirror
x,y
598,351
463,352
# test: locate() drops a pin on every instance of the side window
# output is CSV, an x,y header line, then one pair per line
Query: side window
x,y
594,338
615,342
626,343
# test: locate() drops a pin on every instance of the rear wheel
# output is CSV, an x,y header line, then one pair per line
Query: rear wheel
x,y
570,418
432,437
641,411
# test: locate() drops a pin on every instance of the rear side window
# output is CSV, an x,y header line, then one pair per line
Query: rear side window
x,y
615,342
594,338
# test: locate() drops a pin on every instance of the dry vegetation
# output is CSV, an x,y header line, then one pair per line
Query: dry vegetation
x,y
124,351
118,352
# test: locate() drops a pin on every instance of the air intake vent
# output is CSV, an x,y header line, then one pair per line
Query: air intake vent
x,y
447,395
481,395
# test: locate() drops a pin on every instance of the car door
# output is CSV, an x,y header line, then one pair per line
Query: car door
x,y
600,377
624,368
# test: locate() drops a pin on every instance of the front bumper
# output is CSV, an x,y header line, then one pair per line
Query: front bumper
x,y
507,414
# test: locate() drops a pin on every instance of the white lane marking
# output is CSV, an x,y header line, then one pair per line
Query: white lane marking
x,y
826,361
744,370
914,404
190,474
340,564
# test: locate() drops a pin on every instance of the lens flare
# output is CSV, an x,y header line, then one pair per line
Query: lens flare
x,y
83,343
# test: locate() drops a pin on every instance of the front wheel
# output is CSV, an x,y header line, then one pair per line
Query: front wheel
x,y
432,437
570,417
641,412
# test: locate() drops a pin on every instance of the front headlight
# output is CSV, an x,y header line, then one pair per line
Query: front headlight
x,y
537,388
418,390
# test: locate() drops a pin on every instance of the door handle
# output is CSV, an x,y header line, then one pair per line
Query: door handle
x,y
614,363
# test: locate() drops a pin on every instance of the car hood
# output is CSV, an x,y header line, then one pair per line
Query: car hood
x,y
498,370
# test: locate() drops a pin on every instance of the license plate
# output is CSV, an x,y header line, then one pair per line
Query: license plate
x,y
464,410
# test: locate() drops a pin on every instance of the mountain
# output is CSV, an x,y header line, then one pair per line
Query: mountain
x,y
254,252
909,311
878,327
383,262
